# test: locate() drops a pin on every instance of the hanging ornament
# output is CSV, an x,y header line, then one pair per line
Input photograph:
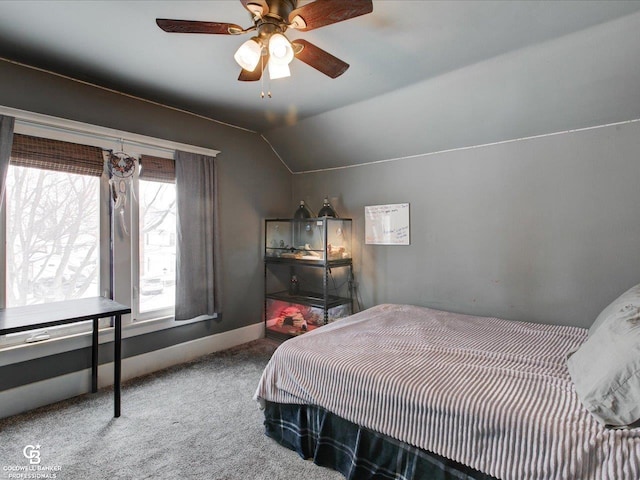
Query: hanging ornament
x,y
121,164
122,167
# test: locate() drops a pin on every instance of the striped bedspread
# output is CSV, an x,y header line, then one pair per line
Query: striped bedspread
x,y
488,393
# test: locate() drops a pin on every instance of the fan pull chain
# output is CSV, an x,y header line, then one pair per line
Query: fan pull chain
x,y
269,87
262,80
262,76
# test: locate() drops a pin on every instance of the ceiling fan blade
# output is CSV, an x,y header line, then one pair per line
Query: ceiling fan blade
x,y
255,5
325,12
194,26
319,59
247,76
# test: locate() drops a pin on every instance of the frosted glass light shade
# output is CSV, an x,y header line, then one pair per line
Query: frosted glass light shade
x,y
248,55
278,70
280,50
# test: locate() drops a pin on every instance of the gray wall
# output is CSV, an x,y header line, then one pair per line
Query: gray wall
x,y
543,230
253,183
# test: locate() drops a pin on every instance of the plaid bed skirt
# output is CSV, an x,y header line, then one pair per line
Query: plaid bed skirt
x,y
357,453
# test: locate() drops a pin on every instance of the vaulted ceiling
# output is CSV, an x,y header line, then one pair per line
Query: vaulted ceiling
x,y
424,76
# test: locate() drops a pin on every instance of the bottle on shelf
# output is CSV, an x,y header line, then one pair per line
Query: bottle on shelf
x,y
302,211
327,210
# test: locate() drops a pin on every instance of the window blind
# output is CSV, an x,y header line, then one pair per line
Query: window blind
x,y
158,169
47,154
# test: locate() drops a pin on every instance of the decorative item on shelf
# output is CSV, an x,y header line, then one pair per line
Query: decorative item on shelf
x,y
294,285
335,252
302,212
327,210
291,317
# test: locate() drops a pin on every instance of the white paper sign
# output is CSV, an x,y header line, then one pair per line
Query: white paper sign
x,y
387,224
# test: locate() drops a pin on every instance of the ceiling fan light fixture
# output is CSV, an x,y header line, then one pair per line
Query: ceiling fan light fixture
x,y
278,70
271,49
280,49
248,55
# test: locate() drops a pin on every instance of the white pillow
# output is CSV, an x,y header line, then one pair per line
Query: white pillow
x,y
630,297
606,368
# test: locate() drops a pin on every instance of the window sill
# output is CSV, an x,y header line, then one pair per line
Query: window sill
x,y
23,352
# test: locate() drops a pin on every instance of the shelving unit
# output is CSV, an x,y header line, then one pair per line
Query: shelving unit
x,y
317,253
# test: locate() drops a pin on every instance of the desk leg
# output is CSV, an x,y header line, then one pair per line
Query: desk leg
x,y
94,357
117,347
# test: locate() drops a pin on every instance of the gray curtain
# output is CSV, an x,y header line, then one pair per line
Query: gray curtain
x,y
197,285
6,139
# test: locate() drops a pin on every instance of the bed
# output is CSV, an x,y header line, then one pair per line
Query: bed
x,y
400,391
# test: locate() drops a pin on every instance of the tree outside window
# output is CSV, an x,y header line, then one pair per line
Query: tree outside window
x,y
53,238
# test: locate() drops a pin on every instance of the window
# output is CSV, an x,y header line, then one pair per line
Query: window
x,y
57,234
156,237
53,236
52,227
62,237
157,256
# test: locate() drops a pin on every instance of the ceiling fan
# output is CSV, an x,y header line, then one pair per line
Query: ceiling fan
x,y
270,47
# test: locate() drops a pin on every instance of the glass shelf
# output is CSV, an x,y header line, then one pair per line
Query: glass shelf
x,y
314,240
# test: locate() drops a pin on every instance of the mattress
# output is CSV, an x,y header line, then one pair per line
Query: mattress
x,y
489,393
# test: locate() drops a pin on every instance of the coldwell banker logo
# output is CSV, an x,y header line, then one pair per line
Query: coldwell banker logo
x,y
32,453
33,469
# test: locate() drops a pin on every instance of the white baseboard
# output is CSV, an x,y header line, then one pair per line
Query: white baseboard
x,y
34,395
